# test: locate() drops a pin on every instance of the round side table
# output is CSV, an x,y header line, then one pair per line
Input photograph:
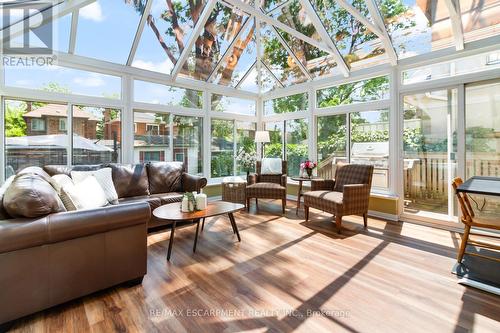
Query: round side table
x,y
300,192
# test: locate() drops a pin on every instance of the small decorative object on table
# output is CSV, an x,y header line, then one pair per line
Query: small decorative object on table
x,y
308,167
192,201
246,160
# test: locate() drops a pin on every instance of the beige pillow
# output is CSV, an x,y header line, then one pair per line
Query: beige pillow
x,y
104,178
62,180
87,194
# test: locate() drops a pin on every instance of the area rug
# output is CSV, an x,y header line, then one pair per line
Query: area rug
x,y
479,272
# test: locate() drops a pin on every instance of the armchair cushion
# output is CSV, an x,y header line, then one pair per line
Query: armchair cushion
x,y
271,166
266,191
328,201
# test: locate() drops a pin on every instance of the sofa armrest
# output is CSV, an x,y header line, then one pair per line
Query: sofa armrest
x,y
192,183
283,180
252,178
322,184
356,198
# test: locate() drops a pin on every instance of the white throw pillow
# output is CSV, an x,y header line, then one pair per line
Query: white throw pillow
x,y
63,180
87,194
104,178
270,166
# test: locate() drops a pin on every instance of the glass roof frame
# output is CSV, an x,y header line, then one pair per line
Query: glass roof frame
x,y
374,23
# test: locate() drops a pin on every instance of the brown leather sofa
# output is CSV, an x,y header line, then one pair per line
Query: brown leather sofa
x,y
50,259
156,183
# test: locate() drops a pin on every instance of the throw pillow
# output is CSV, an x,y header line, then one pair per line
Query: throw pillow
x,y
64,180
103,177
87,194
271,166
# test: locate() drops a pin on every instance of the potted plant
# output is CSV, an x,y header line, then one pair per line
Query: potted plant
x,y
246,160
308,167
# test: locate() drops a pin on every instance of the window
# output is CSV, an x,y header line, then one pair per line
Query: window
x,y
153,129
154,93
151,137
64,80
331,143
222,148
28,142
62,125
275,147
370,143
38,125
245,141
293,103
188,141
96,135
233,105
296,147
465,65
356,92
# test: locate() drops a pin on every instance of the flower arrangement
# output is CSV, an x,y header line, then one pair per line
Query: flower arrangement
x,y
308,166
246,160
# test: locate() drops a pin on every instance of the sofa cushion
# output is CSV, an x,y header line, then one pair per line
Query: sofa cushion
x,y
167,198
152,201
64,169
165,177
30,195
130,179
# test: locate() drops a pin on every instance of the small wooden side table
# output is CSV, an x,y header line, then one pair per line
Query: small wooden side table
x,y
300,193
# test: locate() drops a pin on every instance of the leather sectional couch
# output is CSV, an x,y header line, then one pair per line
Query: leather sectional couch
x,y
48,260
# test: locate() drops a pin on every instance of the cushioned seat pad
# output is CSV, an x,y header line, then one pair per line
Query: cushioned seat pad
x,y
328,201
265,191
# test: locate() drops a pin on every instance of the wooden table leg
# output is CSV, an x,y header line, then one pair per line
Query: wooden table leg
x,y
299,193
196,235
203,224
171,240
235,227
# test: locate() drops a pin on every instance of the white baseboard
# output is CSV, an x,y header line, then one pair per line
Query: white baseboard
x,y
385,216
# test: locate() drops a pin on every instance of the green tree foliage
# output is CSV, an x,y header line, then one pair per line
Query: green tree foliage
x,y
14,121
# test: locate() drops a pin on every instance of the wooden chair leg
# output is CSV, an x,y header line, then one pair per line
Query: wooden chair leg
x,y
306,212
256,204
248,204
283,205
365,219
338,223
463,245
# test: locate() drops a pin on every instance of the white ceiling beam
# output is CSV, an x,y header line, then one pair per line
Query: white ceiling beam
x,y
138,33
73,31
58,10
271,21
386,39
456,23
258,47
278,7
229,50
360,17
205,14
320,28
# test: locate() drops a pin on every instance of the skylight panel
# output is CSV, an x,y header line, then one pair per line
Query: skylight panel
x,y
480,19
278,59
240,60
167,30
220,30
416,27
250,82
359,46
106,29
268,80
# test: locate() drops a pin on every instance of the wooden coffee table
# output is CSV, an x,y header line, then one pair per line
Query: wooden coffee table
x,y
172,212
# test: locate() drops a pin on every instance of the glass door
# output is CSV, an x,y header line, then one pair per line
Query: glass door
x,y
430,153
482,138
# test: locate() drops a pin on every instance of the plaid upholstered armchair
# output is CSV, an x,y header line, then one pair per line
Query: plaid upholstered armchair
x,y
347,194
267,186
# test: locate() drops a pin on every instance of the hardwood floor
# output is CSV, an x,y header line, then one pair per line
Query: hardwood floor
x,y
287,275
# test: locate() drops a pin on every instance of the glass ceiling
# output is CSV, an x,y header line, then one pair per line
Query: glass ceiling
x,y
277,43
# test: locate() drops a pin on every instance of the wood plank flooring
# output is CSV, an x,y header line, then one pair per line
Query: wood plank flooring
x,y
285,276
